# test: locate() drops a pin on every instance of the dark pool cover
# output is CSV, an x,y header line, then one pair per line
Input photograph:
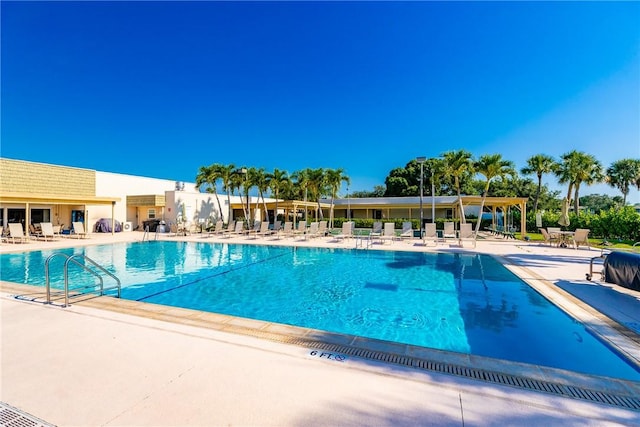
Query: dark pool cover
x,y
623,268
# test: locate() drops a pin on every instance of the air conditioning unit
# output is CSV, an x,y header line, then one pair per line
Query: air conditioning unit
x,y
127,226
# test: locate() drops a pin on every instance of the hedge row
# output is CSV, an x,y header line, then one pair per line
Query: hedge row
x,y
614,223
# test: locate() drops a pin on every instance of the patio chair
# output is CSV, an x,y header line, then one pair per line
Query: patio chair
x,y
430,232
218,229
322,228
263,230
78,230
286,230
347,231
46,231
312,231
389,231
449,231
16,234
548,238
230,227
256,228
581,238
301,229
554,233
407,230
466,233
57,230
238,230
376,231
34,233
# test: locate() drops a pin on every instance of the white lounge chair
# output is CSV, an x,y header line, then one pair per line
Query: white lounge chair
x,y
256,228
301,229
46,231
466,233
322,228
16,233
430,232
449,231
218,229
78,230
312,231
389,232
239,229
231,225
407,230
263,230
347,231
376,231
287,229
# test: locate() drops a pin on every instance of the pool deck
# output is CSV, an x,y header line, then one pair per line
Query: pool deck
x,y
111,362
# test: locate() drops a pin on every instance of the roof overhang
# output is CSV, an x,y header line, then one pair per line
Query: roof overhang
x,y
56,200
287,204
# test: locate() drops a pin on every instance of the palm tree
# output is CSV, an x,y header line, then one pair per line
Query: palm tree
x,y
335,178
622,174
590,173
491,166
226,174
302,178
261,181
239,182
456,165
278,180
539,164
318,186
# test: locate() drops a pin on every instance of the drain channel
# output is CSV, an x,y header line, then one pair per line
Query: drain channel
x,y
12,417
621,401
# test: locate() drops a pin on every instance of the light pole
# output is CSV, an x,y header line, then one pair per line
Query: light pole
x,y
421,160
243,171
433,197
348,205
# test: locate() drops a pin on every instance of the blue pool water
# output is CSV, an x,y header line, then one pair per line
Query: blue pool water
x,y
455,302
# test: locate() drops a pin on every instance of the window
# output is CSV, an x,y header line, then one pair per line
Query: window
x,y
377,214
151,213
40,215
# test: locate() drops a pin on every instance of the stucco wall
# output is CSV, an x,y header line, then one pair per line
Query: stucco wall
x,y
120,185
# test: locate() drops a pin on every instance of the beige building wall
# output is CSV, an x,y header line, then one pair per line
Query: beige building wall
x,y
120,185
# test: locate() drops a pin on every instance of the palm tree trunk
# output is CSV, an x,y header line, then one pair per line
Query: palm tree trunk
x,y
264,204
535,203
484,198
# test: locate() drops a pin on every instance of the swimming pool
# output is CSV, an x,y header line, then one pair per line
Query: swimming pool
x,y
453,302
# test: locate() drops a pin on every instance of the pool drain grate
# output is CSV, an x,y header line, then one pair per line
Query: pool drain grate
x,y
12,417
622,401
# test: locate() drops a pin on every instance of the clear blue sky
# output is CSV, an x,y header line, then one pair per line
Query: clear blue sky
x,y
160,89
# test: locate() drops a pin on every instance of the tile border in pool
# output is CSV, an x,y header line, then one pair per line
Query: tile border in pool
x,y
608,391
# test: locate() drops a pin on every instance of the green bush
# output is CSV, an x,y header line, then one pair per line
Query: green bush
x,y
615,223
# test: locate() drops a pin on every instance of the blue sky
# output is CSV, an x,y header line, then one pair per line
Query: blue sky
x,y
161,88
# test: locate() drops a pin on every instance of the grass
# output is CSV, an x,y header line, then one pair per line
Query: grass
x,y
596,243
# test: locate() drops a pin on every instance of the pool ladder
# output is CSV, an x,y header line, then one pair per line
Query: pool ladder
x,y
362,242
73,258
145,236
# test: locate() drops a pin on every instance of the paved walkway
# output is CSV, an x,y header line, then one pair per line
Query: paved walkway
x,y
86,366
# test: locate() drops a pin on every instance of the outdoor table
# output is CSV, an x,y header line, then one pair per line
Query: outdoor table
x,y
565,237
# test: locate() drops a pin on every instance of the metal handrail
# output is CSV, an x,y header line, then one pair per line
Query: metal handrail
x,y
72,258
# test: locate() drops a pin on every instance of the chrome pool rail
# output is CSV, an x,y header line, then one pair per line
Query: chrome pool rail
x,y
72,258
